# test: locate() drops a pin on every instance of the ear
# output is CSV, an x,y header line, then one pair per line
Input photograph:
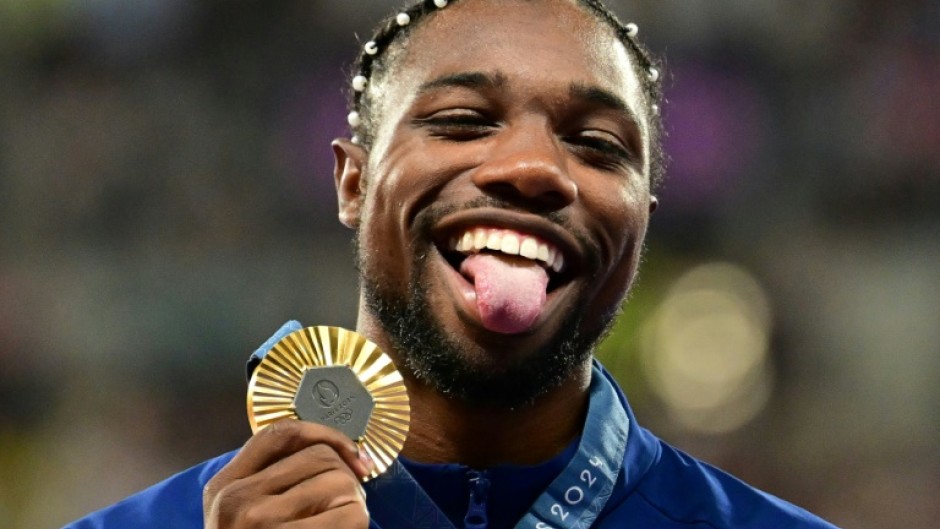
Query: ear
x,y
350,160
654,203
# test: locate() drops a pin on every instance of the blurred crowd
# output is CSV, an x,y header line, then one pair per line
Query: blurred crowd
x,y
166,202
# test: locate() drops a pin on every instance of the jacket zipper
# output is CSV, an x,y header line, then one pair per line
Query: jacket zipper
x,y
479,490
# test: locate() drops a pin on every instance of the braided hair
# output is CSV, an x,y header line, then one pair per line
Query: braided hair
x,y
378,53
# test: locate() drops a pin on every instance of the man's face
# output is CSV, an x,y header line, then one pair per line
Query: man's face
x,y
520,119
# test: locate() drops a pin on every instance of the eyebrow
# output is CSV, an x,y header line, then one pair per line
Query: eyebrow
x,y
464,80
603,98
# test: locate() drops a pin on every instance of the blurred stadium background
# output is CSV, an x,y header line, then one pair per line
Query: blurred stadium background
x,y
166,203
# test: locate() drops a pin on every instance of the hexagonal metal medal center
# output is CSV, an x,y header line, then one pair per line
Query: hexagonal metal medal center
x,y
334,396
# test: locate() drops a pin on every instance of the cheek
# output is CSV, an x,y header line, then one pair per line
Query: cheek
x,y
395,191
623,217
381,250
381,241
622,211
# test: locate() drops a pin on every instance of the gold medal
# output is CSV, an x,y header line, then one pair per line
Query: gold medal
x,y
335,377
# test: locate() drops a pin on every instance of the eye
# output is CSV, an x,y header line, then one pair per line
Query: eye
x,y
461,124
601,148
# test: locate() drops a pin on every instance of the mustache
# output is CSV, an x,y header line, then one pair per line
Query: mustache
x,y
431,215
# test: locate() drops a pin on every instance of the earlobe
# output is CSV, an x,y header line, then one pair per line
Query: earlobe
x,y
654,203
347,172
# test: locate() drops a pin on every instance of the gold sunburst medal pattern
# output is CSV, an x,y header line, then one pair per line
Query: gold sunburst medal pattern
x,y
336,377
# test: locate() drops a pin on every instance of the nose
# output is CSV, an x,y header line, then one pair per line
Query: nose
x,y
528,166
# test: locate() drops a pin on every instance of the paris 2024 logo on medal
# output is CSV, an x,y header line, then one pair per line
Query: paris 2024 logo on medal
x,y
327,393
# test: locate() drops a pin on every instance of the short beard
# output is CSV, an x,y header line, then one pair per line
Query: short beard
x,y
429,354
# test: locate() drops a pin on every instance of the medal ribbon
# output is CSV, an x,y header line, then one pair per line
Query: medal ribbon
x,y
572,501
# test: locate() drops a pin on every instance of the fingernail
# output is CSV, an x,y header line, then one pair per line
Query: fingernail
x,y
366,459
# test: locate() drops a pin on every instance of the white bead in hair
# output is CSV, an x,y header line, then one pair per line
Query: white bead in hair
x,y
354,119
371,48
359,83
354,139
653,75
632,29
440,3
403,19
655,109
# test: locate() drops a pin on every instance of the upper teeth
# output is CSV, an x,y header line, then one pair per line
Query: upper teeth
x,y
508,242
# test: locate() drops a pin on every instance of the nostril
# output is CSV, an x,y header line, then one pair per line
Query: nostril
x,y
503,189
550,187
543,186
550,200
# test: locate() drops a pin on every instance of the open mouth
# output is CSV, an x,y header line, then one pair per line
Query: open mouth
x,y
507,242
508,271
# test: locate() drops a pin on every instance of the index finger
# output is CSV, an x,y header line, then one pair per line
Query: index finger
x,y
288,436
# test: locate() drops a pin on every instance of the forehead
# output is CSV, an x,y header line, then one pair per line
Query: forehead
x,y
548,43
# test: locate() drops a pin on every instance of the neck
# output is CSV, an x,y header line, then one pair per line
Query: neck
x,y
444,430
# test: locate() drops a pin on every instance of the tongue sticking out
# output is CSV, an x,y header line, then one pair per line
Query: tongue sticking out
x,y
510,290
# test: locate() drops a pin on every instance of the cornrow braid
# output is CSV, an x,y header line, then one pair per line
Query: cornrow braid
x,y
377,53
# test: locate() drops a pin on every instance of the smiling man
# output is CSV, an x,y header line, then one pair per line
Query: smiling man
x,y
499,182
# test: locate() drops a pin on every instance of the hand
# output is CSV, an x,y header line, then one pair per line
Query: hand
x,y
292,474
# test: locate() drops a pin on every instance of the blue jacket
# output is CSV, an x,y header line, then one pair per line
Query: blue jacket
x,y
659,487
